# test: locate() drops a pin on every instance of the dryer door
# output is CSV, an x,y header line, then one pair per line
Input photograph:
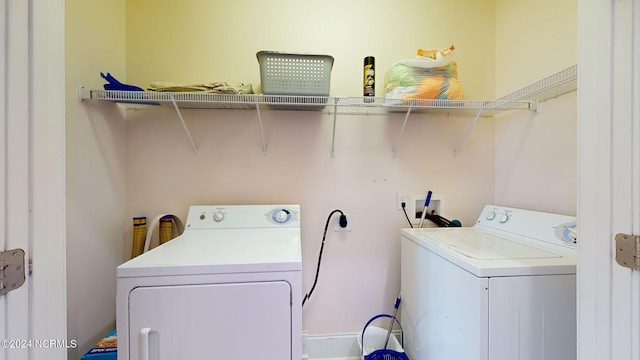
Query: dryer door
x,y
215,321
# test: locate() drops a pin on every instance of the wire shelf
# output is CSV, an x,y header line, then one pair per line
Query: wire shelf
x,y
196,100
552,86
525,98
186,100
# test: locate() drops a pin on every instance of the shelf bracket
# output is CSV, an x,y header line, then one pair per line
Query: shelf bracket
x,y
396,144
466,133
81,94
264,143
184,125
333,136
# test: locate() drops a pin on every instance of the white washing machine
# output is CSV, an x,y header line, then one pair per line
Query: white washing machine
x,y
503,289
229,287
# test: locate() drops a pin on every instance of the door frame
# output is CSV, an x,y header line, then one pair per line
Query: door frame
x,y
608,177
49,279
32,176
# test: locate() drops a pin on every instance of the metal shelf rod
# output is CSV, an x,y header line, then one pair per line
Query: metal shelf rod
x,y
466,133
396,143
264,143
333,135
184,126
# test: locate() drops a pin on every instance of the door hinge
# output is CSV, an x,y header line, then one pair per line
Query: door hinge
x,y
628,251
11,270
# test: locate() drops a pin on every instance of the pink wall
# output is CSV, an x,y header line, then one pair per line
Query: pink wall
x,y
536,154
360,270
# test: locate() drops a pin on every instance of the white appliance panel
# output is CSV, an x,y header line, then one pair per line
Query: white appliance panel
x,y
529,317
450,323
230,287
486,246
503,289
220,251
255,319
458,246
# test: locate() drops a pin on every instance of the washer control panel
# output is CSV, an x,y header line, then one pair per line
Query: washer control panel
x,y
552,228
242,216
501,216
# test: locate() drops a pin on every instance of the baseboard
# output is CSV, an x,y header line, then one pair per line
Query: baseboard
x,y
342,346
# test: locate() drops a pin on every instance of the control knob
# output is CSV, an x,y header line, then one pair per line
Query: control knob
x,y
491,215
281,216
218,216
504,218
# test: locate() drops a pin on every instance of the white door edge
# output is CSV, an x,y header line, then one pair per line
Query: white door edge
x,y
32,176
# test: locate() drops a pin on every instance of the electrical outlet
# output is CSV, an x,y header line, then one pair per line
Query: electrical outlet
x,y
403,198
336,223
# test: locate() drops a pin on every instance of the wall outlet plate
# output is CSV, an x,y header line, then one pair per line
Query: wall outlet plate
x,y
336,223
402,198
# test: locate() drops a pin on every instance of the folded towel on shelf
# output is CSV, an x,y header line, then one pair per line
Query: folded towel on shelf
x,y
215,87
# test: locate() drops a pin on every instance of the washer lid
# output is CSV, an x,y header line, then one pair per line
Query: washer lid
x,y
486,253
220,251
485,246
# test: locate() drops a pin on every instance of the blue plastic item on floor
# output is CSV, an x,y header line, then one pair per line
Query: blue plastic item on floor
x,y
373,348
105,349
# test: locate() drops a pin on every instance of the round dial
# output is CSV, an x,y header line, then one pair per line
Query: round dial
x,y
218,216
491,215
281,216
568,233
504,218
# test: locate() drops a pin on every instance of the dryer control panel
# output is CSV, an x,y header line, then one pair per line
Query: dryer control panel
x,y
281,216
242,216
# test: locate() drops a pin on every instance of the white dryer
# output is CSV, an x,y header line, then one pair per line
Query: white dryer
x,y
229,287
503,289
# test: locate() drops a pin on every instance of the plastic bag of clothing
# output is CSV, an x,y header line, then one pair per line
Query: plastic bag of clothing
x,y
431,75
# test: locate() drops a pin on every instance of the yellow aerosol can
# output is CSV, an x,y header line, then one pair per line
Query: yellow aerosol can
x,y
369,78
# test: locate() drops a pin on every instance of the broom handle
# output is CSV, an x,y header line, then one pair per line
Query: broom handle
x,y
395,311
424,209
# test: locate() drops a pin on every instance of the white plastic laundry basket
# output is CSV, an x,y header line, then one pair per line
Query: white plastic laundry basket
x,y
374,338
371,341
294,74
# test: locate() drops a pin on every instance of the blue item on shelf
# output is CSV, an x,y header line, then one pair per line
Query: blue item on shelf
x,y
129,98
114,84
